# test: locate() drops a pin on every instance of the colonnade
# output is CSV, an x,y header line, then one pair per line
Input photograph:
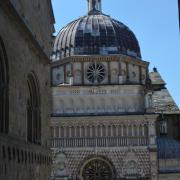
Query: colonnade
x,y
101,135
99,131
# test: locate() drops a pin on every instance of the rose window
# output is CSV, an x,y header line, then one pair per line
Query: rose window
x,y
96,73
97,170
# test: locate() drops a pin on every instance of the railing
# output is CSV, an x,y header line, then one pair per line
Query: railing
x,y
99,142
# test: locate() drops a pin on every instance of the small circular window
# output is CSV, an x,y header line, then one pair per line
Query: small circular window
x,y
96,73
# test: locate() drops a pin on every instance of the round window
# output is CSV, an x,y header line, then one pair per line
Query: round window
x,y
96,73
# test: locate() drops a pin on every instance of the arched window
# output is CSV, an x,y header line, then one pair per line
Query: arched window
x,y
33,111
4,119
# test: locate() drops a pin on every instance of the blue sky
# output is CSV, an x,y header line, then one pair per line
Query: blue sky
x,y
155,24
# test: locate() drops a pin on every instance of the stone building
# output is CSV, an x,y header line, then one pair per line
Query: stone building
x,y
111,118
25,46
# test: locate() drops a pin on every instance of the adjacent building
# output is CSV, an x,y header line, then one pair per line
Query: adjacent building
x,y
25,46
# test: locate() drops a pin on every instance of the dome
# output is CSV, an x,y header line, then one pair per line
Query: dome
x,y
95,34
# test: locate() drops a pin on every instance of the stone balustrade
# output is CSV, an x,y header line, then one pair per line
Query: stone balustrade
x,y
99,142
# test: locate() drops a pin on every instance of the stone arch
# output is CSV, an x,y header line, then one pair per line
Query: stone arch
x,y
131,170
101,168
103,131
135,127
60,165
146,130
4,83
33,110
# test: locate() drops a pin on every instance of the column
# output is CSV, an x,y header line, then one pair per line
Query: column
x,y
54,132
111,131
153,147
116,130
138,134
122,132
86,136
101,131
91,131
152,133
132,126
70,132
64,131
96,133
59,132
117,138
80,133
127,138
107,135
143,130
75,131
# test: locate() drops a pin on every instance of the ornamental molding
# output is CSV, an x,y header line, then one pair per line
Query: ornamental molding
x,y
89,90
98,121
119,157
121,58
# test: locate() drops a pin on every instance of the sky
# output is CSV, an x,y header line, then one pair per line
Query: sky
x,y
155,24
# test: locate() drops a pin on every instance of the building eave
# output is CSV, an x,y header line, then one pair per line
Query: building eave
x,y
11,12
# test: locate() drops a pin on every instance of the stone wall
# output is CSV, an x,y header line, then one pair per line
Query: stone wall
x,y
23,59
121,139
20,159
38,17
118,69
98,99
69,162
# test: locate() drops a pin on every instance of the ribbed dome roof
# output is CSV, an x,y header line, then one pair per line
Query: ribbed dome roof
x,y
95,34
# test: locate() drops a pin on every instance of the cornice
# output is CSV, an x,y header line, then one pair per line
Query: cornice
x,y
108,58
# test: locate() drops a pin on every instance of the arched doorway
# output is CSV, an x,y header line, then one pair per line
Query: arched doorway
x,y
4,101
97,168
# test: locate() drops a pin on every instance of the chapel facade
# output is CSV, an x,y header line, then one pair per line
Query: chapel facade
x,y
112,119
